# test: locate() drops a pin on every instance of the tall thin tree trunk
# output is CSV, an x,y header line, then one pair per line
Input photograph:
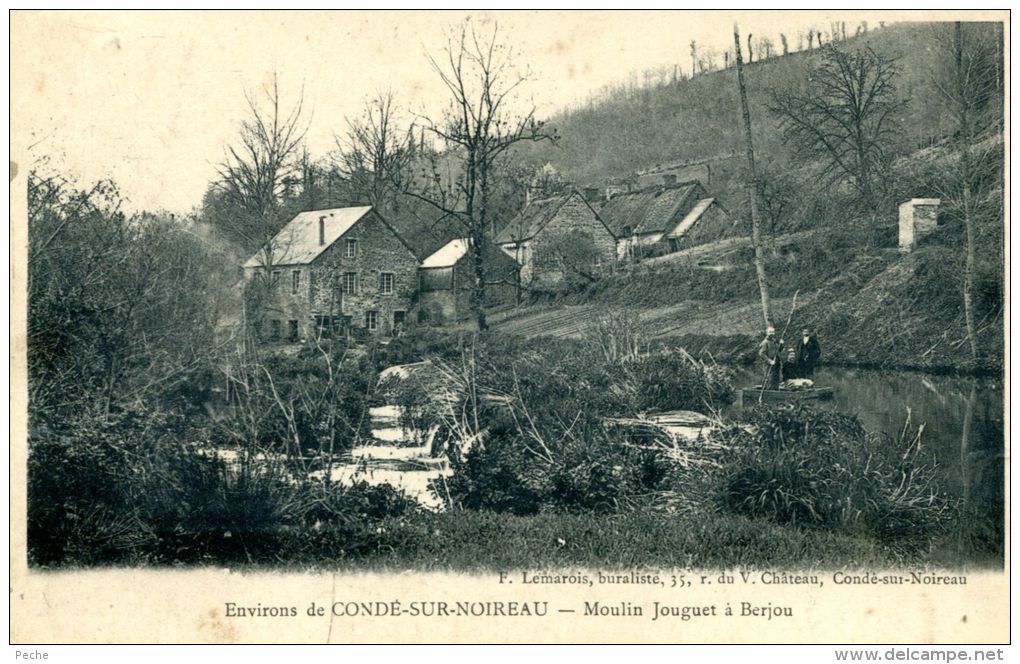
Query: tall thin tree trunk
x,y
752,186
478,246
963,100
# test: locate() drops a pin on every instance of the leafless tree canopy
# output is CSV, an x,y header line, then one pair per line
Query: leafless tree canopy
x,y
260,169
846,117
375,154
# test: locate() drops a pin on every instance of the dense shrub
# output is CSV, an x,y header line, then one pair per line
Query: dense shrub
x,y
670,379
417,344
496,476
524,422
819,468
589,472
135,490
313,402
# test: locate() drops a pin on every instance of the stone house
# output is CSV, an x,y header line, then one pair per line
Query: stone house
x,y
446,281
549,239
326,271
665,218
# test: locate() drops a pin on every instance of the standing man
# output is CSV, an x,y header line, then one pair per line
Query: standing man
x,y
808,352
769,351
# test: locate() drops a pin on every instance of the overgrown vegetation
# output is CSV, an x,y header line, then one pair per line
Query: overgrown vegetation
x,y
822,469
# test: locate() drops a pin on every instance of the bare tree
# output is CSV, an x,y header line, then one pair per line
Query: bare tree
x,y
477,131
257,172
694,57
847,114
777,194
752,184
375,154
969,89
786,44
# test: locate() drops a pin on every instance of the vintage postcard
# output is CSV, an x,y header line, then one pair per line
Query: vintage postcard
x,y
510,327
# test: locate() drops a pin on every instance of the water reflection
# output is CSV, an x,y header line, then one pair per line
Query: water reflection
x,y
964,434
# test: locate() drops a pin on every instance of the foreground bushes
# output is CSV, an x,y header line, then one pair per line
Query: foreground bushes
x,y
822,469
589,472
133,490
525,421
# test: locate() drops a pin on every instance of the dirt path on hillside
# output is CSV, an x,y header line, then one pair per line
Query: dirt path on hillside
x,y
695,317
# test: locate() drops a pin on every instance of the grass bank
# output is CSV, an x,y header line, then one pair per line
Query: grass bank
x,y
470,540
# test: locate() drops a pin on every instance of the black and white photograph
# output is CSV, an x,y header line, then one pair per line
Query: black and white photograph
x,y
566,304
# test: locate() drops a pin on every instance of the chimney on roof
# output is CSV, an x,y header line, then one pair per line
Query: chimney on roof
x,y
669,180
322,230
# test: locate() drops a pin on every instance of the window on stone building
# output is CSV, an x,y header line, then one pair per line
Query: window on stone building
x,y
349,283
276,277
372,320
325,326
352,249
295,281
274,329
386,280
292,330
398,320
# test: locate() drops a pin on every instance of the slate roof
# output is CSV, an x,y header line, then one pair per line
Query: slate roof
x,y
531,219
535,215
297,243
448,254
652,210
692,217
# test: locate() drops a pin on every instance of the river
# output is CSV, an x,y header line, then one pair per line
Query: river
x,y
964,434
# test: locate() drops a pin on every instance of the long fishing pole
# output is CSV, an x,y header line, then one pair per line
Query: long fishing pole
x,y
774,366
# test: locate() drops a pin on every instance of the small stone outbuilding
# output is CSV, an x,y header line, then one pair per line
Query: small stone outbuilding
x,y
550,236
918,217
446,281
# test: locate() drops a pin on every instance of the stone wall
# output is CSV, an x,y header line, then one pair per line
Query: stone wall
x,y
573,215
282,311
378,251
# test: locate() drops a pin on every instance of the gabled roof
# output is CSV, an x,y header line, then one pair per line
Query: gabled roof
x,y
297,243
533,218
692,217
652,210
448,254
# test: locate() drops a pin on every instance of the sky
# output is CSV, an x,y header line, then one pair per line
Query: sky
x,y
151,99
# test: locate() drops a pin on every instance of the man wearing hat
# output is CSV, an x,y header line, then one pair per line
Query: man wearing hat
x,y
808,352
769,351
